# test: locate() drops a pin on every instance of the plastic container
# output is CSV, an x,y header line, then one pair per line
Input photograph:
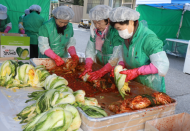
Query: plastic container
x,y
178,122
131,121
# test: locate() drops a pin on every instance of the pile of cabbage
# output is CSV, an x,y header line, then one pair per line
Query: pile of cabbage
x,y
54,108
13,75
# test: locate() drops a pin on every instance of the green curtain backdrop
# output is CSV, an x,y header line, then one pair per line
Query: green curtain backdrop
x,y
16,8
165,23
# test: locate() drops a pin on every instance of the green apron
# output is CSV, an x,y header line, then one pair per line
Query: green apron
x,y
3,24
32,22
136,56
58,42
111,40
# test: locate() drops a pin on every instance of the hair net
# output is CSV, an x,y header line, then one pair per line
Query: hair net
x,y
3,12
63,12
99,12
35,8
27,11
123,13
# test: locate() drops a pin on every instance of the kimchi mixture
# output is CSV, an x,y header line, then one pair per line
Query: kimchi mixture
x,y
140,102
104,85
91,89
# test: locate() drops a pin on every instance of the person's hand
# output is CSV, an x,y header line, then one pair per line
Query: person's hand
x,y
88,69
58,60
131,74
7,29
22,31
100,73
75,60
95,75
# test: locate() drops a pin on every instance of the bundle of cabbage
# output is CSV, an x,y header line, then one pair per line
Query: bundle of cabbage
x,y
8,68
89,105
44,73
37,94
30,76
93,111
58,119
7,72
76,117
82,100
45,100
54,81
27,114
120,81
53,97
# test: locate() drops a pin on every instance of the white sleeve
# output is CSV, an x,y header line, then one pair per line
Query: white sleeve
x,y
90,50
20,26
72,42
161,62
9,24
92,27
115,56
120,56
43,44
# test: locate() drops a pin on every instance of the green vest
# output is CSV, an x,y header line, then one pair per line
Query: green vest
x,y
3,24
58,42
111,40
32,22
143,44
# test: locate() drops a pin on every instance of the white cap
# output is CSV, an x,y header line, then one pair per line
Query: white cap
x,y
35,8
63,12
3,12
99,12
123,13
27,11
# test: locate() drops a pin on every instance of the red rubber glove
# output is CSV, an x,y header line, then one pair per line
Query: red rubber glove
x,y
74,56
99,73
58,60
143,70
88,67
131,74
112,70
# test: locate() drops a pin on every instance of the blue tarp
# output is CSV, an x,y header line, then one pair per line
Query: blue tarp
x,y
175,4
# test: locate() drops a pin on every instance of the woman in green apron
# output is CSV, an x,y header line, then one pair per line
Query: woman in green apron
x,y
20,22
104,44
143,53
56,36
5,23
32,22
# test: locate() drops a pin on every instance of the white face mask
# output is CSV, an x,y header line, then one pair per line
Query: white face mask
x,y
125,34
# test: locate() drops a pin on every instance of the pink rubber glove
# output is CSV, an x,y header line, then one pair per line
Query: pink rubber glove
x,y
99,73
143,70
22,31
74,56
7,29
88,67
55,57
